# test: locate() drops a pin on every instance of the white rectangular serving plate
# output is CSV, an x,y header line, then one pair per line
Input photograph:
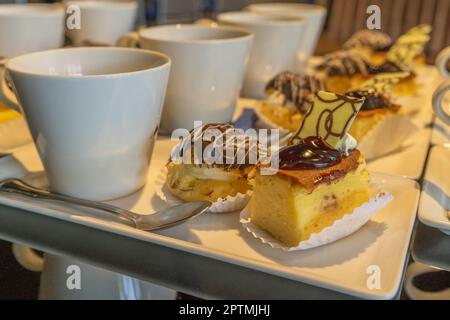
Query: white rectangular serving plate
x,y
435,196
380,246
408,161
441,133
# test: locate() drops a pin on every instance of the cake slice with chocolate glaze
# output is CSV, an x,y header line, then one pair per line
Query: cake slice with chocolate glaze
x,y
321,175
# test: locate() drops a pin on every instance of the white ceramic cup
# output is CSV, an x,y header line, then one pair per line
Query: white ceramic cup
x,y
94,114
441,105
27,28
208,66
315,19
103,22
441,62
276,46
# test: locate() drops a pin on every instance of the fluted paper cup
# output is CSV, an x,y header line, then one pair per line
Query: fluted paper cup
x,y
341,228
222,205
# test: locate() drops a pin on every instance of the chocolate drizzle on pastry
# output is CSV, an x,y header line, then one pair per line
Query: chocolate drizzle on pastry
x,y
345,63
373,39
373,100
309,153
236,150
296,88
387,67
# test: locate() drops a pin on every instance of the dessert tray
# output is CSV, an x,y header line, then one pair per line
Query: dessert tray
x,y
434,200
346,266
441,133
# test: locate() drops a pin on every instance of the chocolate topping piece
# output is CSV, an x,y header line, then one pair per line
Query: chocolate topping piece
x,y
310,179
296,88
373,100
373,39
345,63
235,148
330,117
309,153
386,67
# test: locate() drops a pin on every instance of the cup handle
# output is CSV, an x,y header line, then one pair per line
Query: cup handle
x,y
437,101
7,96
27,258
441,62
129,40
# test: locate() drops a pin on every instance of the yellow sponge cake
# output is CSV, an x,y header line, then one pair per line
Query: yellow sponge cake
x,y
304,201
321,176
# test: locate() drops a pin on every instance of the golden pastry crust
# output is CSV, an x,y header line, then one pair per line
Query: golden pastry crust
x,y
182,183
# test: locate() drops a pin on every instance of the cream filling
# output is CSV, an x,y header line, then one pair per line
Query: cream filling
x,y
277,99
211,173
348,143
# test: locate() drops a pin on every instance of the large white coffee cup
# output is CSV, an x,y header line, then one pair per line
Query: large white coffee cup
x,y
208,66
27,28
276,46
315,18
94,114
103,22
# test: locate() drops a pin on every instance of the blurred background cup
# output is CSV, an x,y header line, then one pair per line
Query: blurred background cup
x,y
93,114
442,62
208,66
276,46
312,13
27,28
441,101
102,21
441,96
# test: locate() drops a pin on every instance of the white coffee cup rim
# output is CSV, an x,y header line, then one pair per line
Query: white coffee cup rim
x,y
103,5
275,7
30,9
242,34
13,63
260,18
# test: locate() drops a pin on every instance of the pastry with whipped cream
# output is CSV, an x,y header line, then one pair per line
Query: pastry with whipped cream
x,y
372,43
320,177
289,97
344,70
212,163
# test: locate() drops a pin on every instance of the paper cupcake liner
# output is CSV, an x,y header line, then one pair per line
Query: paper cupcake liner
x,y
341,228
13,134
222,205
386,136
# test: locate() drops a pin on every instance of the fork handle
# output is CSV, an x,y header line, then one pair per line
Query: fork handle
x,y
16,186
